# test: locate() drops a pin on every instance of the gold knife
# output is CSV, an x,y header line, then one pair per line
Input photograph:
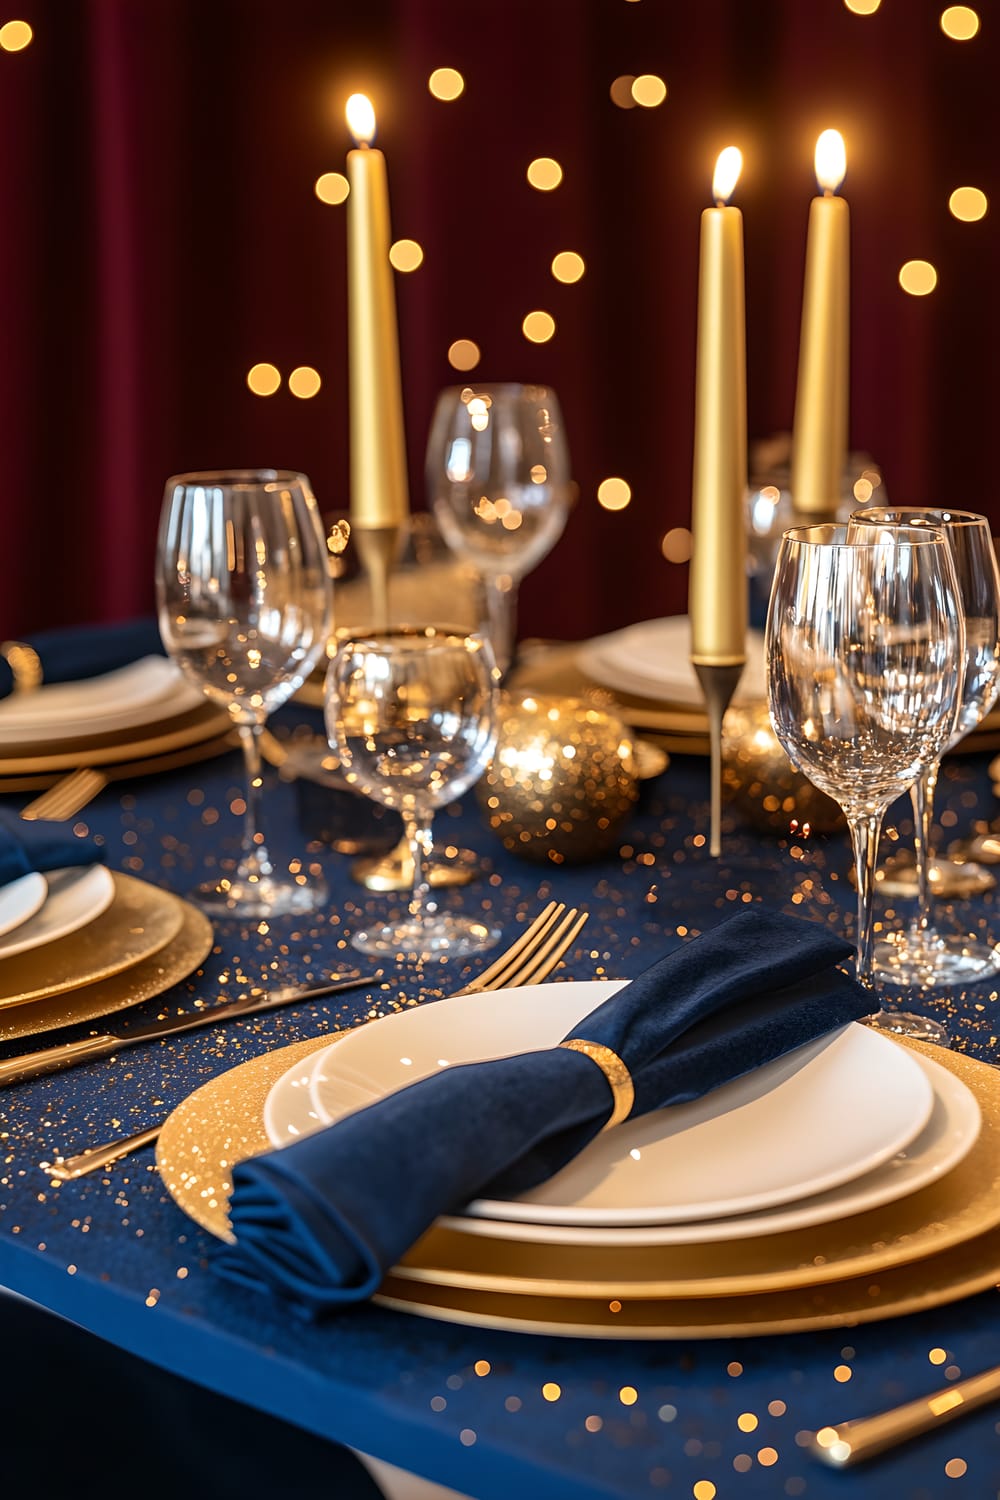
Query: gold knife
x,y
69,1054
864,1437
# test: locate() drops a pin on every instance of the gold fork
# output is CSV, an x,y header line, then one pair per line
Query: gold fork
x,y
527,961
67,797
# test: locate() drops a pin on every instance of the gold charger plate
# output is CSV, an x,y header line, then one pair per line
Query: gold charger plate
x,y
191,728
960,1272
141,919
124,770
945,1248
142,981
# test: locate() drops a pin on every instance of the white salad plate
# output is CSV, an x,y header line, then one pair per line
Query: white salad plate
x,y
856,1099
653,660
75,896
142,693
20,899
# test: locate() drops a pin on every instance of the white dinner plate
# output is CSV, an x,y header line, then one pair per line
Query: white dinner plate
x,y
653,660
855,1097
950,1133
20,900
75,897
144,692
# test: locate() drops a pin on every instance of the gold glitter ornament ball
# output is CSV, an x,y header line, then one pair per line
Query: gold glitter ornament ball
x,y
760,780
562,778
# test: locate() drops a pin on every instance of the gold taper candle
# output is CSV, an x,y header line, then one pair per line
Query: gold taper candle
x,y
379,496
718,584
718,590
819,440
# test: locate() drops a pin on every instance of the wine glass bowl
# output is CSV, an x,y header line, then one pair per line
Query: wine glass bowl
x,y
412,716
864,645
244,603
498,481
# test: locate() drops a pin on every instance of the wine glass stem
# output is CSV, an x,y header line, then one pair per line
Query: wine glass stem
x,y
865,828
421,841
501,614
922,796
256,862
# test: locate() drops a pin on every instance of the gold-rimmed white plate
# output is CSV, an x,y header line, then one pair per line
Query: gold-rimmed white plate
x,y
142,981
128,698
140,920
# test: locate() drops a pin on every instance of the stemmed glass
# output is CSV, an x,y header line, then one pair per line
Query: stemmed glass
x,y
921,955
498,480
412,716
865,643
245,610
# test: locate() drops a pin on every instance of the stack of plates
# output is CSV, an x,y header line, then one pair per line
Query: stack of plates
x,y
648,668
83,942
847,1181
137,720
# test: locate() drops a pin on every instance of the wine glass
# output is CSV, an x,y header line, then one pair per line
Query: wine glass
x,y
245,610
865,644
412,716
921,955
498,481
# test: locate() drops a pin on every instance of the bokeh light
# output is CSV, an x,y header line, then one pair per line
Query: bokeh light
x,y
567,266
446,83
960,22
463,354
676,545
332,187
263,379
649,90
918,277
15,36
544,173
614,493
406,255
968,204
621,91
863,7
304,382
539,327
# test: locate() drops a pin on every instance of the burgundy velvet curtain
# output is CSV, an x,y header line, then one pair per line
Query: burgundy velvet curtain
x,y
159,234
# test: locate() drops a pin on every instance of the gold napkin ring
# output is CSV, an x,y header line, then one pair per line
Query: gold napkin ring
x,y
618,1076
25,665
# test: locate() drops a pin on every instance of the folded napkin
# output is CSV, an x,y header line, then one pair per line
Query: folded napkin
x,y
66,655
41,846
321,1221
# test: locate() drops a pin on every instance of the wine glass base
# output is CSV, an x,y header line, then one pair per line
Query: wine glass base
x,y
905,1023
949,879
930,960
442,936
266,896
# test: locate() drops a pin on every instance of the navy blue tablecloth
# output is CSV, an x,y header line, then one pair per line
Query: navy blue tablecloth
x,y
488,1413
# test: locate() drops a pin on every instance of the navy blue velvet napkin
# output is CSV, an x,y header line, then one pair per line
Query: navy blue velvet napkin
x,y
321,1221
41,846
67,655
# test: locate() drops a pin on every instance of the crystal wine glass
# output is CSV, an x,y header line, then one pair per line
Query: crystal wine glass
x,y
865,644
412,716
499,483
920,954
245,610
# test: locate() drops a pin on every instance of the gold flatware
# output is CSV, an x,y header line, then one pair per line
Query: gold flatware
x,y
527,961
68,1054
864,1437
67,797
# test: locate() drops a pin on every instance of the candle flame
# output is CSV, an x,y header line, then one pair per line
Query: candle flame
x,y
360,118
727,172
831,160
